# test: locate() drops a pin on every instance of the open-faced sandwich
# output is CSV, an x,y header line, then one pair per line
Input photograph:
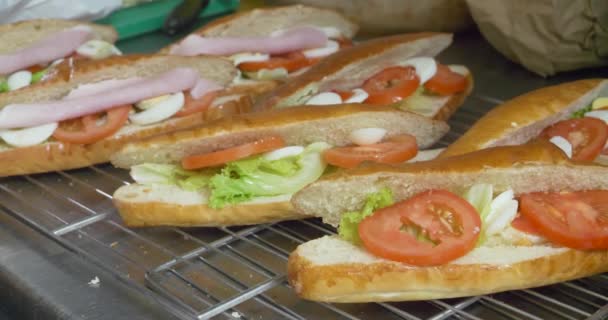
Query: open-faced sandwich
x,y
400,71
244,169
572,115
498,219
87,110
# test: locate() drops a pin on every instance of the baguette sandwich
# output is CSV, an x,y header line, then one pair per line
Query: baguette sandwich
x,y
29,49
398,70
268,45
572,115
243,169
89,109
498,219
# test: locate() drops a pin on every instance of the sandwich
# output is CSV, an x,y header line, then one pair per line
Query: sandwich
x,y
31,48
498,219
400,71
571,115
269,45
243,169
87,110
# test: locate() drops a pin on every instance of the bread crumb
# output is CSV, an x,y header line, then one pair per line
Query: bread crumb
x,y
94,282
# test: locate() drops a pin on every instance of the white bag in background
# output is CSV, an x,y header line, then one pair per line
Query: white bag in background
x,y
18,10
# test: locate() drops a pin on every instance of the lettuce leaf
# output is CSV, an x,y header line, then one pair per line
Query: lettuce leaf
x,y
241,180
245,179
349,222
581,112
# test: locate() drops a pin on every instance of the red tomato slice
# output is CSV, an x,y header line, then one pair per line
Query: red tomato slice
x,y
391,85
291,62
586,135
192,105
522,224
396,150
92,128
345,95
450,224
576,220
446,82
216,158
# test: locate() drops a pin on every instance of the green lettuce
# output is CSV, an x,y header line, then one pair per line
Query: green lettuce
x,y
349,222
246,179
37,76
241,180
3,85
581,112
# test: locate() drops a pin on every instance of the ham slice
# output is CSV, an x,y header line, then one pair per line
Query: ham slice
x,y
94,101
48,49
291,40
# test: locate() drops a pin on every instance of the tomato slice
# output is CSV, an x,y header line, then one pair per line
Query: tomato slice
x,y
586,135
92,128
396,150
192,105
449,225
391,85
446,82
522,224
576,220
291,62
216,158
345,95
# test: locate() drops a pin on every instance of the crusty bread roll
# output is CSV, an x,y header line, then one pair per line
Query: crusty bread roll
x,y
265,21
331,269
352,66
297,126
334,270
54,155
524,117
537,166
22,34
168,205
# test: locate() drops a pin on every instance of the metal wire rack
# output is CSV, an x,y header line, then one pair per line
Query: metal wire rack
x,y
227,273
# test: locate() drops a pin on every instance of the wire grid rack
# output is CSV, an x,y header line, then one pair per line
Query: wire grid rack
x,y
239,272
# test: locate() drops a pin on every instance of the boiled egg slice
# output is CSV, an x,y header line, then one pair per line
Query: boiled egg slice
x,y
28,136
290,151
425,67
159,110
367,136
329,48
97,49
324,98
563,144
359,95
19,80
249,57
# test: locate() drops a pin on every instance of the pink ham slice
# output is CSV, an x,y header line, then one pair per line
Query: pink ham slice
x,y
291,40
48,49
29,115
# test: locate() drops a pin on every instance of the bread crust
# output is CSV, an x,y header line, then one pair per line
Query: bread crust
x,y
524,116
53,156
148,214
240,129
390,281
18,35
220,27
331,65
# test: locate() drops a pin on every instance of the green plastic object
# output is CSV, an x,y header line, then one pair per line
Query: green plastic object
x,y
149,17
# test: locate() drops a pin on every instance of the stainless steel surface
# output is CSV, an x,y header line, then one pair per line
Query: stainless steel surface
x,y
227,273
